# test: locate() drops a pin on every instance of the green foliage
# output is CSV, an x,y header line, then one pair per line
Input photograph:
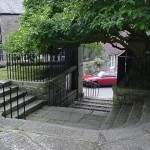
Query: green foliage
x,y
94,50
98,61
49,24
93,46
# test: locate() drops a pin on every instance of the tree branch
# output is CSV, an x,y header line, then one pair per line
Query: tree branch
x,y
115,46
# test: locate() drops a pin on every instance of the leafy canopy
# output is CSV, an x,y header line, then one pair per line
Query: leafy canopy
x,y
48,24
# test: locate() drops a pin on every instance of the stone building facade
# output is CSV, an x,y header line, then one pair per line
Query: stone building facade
x,y
9,16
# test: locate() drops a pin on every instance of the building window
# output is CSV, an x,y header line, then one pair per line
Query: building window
x,y
112,62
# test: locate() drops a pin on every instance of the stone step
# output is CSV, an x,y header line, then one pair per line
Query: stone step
x,y
30,103
135,114
13,98
14,106
28,109
7,90
97,102
5,83
109,121
99,98
145,117
89,104
122,116
93,108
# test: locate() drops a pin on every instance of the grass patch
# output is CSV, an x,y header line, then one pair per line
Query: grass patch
x,y
3,74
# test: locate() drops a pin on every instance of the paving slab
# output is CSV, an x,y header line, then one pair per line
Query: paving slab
x,y
39,113
76,117
82,125
56,122
92,122
93,117
55,108
63,116
84,111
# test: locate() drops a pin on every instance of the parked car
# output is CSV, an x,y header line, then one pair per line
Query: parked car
x,y
101,78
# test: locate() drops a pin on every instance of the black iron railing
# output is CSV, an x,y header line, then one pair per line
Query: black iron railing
x,y
38,67
91,91
60,87
3,99
57,95
11,106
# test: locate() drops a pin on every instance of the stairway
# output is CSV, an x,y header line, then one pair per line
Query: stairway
x,y
17,102
125,115
128,115
99,104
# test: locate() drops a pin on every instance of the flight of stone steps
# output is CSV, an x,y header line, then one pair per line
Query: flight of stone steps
x,y
11,107
119,116
128,115
96,104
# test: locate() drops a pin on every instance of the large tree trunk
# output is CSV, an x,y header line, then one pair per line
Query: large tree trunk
x,y
137,66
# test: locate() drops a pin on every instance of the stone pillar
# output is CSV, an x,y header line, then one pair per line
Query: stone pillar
x,y
77,75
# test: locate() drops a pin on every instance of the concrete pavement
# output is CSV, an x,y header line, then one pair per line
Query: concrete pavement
x,y
74,117
31,135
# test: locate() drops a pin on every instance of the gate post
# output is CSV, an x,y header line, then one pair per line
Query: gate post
x,y
77,75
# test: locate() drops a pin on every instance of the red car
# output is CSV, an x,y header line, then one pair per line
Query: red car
x,y
98,79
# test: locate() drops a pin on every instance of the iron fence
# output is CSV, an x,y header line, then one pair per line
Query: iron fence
x,y
38,67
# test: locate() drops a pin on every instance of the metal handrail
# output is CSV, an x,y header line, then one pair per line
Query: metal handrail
x,y
10,102
4,99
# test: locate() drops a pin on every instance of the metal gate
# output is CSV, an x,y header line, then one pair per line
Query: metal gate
x,y
91,91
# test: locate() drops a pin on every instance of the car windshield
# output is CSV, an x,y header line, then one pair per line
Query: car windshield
x,y
102,73
97,74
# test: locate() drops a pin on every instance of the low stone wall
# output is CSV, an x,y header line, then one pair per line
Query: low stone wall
x,y
44,90
38,89
41,91
127,96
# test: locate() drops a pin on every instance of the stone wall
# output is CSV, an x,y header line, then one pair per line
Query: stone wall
x,y
8,24
127,96
43,90
38,89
